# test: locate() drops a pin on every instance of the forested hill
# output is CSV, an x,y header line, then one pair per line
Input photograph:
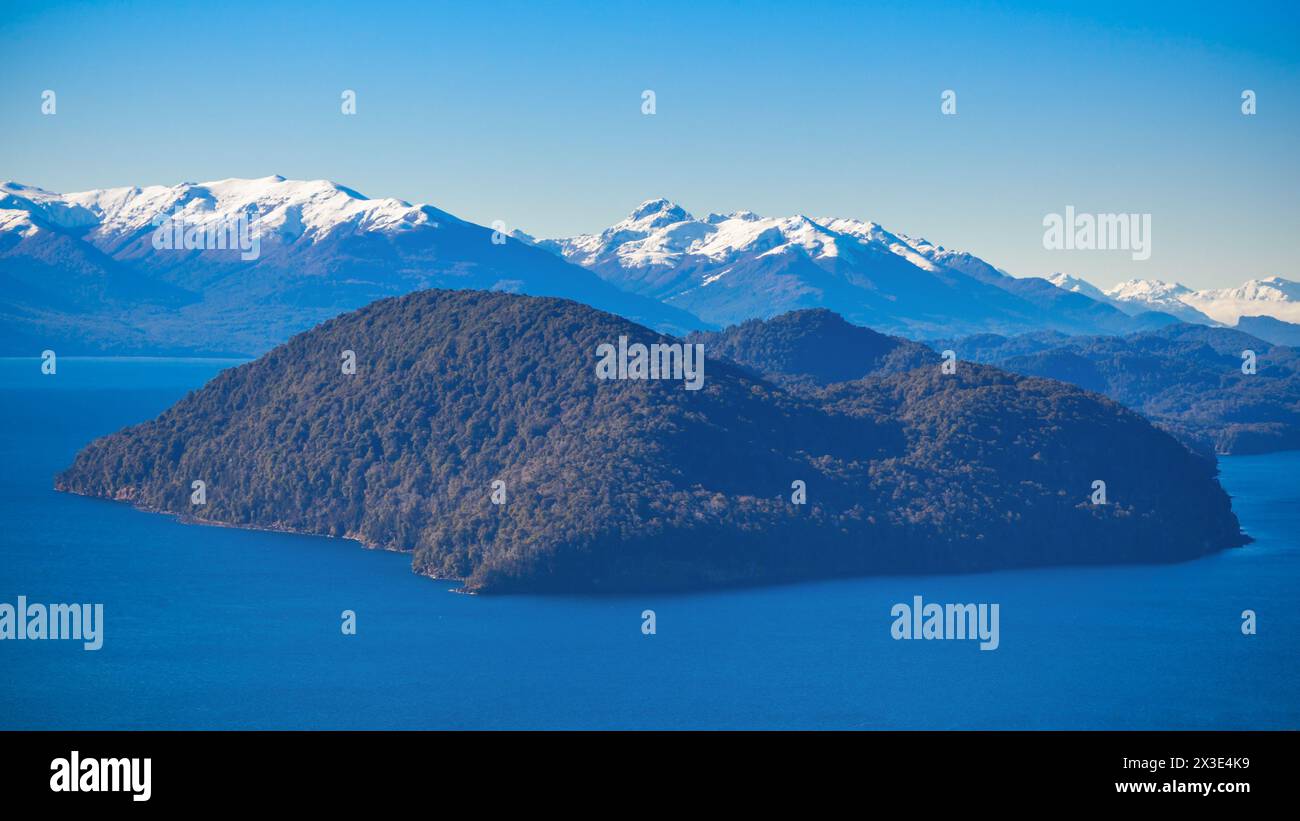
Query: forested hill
x,y
622,485
1188,379
814,346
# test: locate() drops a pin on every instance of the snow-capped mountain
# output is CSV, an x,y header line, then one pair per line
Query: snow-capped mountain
x,y
113,212
174,268
1274,296
1137,295
726,268
1078,285
135,269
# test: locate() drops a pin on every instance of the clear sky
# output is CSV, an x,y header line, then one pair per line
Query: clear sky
x,y
531,113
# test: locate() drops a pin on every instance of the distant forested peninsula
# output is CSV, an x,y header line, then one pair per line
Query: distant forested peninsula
x,y
1217,389
1190,380
473,432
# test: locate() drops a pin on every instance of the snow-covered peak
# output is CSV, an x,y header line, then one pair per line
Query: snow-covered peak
x,y
273,205
1269,289
662,233
918,252
746,232
43,206
658,210
1078,285
1272,296
1147,289
28,192
1141,295
714,217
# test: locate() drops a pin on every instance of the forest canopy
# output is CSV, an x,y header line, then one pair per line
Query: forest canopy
x,y
622,485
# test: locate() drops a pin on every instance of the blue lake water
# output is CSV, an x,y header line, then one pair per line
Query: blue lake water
x,y
220,628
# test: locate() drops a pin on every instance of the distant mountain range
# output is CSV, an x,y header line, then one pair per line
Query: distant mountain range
x,y
1271,329
1272,297
642,484
726,268
80,273
83,273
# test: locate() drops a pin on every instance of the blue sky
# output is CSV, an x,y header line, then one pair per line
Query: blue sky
x,y
531,113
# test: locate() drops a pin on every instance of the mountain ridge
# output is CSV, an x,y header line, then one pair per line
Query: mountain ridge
x,y
1274,296
727,268
85,273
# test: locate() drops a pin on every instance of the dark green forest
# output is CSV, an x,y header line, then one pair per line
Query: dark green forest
x,y
1186,378
813,347
643,485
